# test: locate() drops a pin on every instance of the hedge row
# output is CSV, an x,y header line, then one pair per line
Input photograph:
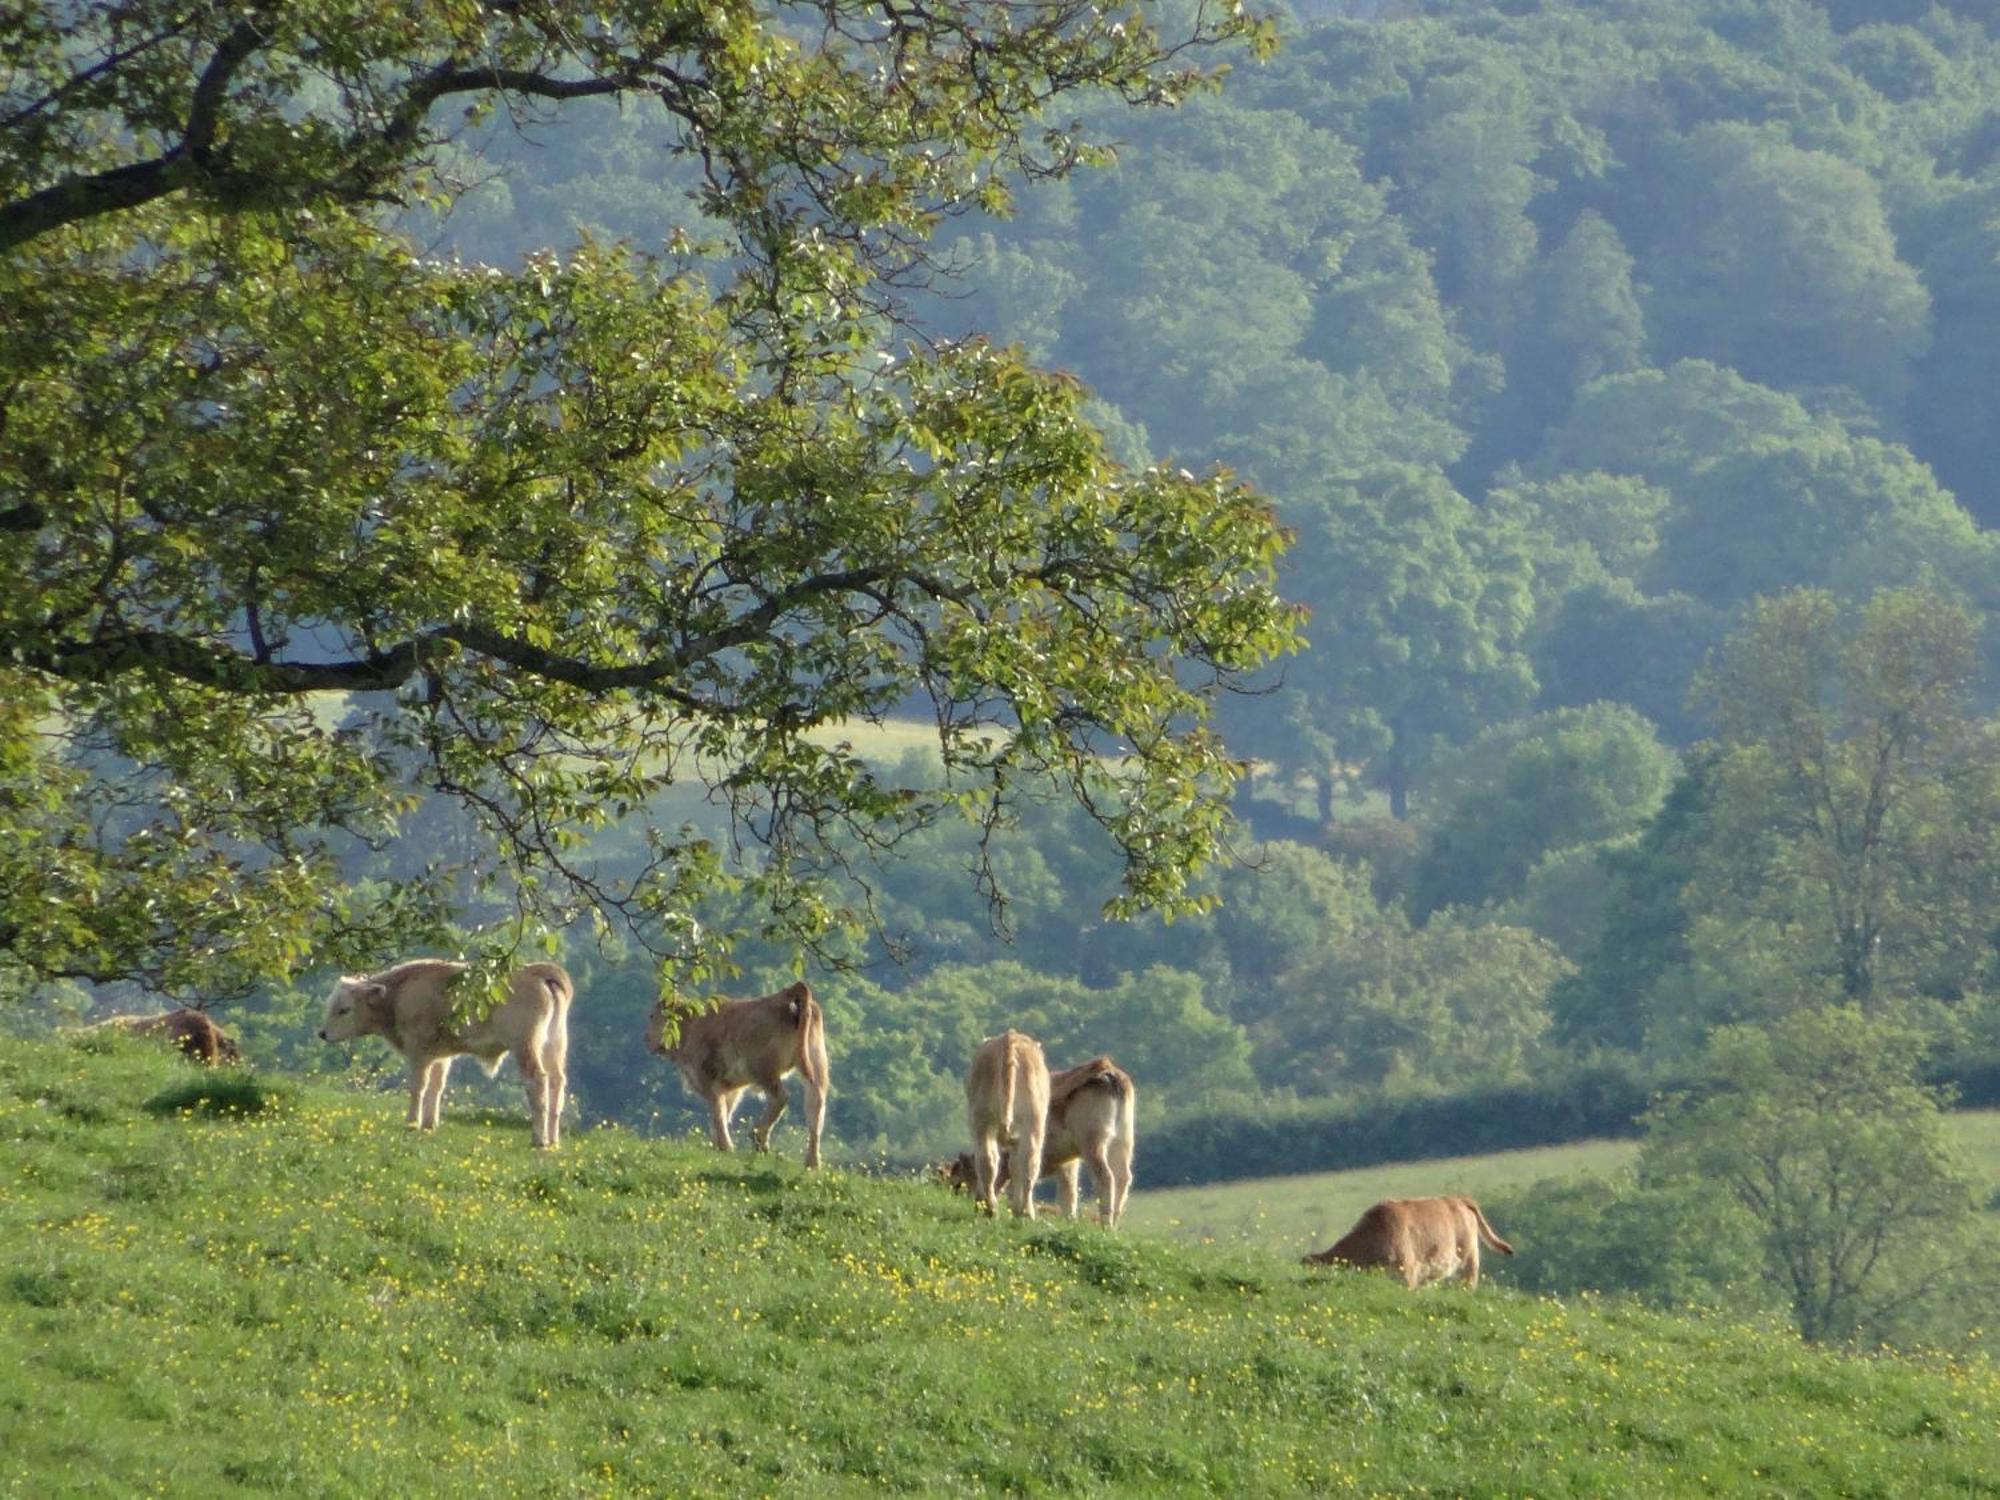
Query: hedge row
x,y
1333,1135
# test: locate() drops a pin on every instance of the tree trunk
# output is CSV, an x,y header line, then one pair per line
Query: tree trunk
x,y
1396,772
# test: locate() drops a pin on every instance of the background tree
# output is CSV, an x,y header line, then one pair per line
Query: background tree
x,y
1641,952
1784,266
1847,840
1419,611
1818,1128
1681,1244
1466,184
1450,1005
1570,779
564,534
1955,405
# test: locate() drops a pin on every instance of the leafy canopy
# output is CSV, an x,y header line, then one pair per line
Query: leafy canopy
x,y
303,528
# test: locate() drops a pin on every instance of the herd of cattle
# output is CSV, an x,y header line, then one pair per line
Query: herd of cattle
x,y
1026,1122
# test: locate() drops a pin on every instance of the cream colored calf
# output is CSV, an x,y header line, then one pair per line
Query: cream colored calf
x,y
1091,1108
410,1006
1007,1105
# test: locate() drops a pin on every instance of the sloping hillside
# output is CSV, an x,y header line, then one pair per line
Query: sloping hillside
x,y
212,1285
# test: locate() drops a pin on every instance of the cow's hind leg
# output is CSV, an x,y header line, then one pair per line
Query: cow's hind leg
x,y
985,1172
776,1098
815,1112
535,1084
1026,1169
555,1062
721,1105
1069,1187
1121,1175
1105,1181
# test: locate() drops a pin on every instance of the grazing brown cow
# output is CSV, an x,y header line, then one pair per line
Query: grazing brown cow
x,y
410,1007
1007,1104
1420,1239
723,1051
190,1030
1090,1122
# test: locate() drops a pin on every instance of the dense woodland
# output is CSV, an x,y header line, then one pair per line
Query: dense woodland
x,y
1627,378
1624,376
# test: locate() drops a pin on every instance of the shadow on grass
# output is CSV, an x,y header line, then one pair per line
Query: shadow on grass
x,y
767,1181
220,1094
1102,1261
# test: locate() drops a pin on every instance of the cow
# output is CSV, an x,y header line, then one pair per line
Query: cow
x,y
193,1031
1007,1105
1089,1123
410,1007
722,1052
1420,1239
1091,1109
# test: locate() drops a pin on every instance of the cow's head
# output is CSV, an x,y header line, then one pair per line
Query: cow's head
x,y
355,1008
956,1174
657,1021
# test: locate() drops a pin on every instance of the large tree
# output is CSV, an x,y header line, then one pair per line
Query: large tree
x,y
1421,604
1848,852
301,527
1820,1131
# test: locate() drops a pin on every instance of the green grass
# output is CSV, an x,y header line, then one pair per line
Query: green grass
x,y
1309,1211
272,1288
1978,1132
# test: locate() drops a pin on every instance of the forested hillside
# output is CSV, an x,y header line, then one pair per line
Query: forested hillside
x,y
1560,336
1626,377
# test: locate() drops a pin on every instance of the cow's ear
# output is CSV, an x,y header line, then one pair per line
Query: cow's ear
x,y
373,999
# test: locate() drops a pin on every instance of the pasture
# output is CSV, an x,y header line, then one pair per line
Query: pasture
x,y
1309,1211
1292,1215
216,1284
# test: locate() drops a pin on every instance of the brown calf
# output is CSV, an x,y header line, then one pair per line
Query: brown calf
x,y
722,1052
198,1037
1420,1239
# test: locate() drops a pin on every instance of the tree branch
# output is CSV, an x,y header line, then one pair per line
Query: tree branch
x,y
212,665
198,158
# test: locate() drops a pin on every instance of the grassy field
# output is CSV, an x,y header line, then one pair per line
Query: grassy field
x,y
1308,1212
1292,1215
215,1285
1978,1133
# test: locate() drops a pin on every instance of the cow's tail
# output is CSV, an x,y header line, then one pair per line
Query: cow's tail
x,y
812,1035
1486,1230
1009,1082
562,989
